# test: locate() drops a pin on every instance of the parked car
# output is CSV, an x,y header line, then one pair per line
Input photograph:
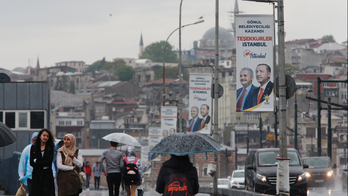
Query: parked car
x,y
319,172
238,179
261,171
345,178
224,183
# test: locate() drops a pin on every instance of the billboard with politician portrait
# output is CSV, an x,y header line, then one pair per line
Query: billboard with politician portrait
x,y
199,103
254,53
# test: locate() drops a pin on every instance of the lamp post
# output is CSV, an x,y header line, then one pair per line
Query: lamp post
x,y
164,55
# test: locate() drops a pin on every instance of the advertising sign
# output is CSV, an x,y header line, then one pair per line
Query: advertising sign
x,y
254,53
145,163
155,136
168,120
200,103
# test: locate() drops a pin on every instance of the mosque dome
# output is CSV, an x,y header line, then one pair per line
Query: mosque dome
x,y
225,39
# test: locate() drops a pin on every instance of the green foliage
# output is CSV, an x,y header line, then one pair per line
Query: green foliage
x,y
72,88
154,52
124,73
171,73
289,69
329,38
114,65
96,66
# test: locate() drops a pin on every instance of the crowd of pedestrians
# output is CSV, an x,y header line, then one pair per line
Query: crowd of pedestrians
x,y
48,169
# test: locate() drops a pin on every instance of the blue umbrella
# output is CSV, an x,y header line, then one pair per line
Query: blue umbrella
x,y
181,144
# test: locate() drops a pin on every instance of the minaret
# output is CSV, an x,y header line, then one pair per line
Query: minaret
x,y
37,68
234,12
141,46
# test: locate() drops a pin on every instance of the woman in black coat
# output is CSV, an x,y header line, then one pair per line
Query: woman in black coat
x,y
41,157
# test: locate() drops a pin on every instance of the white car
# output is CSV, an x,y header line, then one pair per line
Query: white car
x,y
237,179
223,183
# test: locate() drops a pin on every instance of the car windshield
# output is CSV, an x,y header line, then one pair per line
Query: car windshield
x,y
223,181
238,174
268,159
317,162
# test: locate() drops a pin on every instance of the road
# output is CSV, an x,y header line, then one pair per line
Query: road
x,y
105,193
323,192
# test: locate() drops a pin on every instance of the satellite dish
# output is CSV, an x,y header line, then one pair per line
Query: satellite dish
x,y
4,78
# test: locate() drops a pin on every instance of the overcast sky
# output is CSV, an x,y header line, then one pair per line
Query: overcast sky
x,y
88,30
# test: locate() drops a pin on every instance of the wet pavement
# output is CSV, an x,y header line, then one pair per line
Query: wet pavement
x,y
105,193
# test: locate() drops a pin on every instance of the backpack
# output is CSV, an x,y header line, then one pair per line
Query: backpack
x,y
131,173
177,184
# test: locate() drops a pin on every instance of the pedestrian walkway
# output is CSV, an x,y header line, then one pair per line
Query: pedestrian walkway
x,y
105,193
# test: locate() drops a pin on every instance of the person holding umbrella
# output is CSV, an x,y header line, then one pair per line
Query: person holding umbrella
x,y
178,166
114,163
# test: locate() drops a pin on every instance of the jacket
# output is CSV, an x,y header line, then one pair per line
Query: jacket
x,y
43,182
24,168
164,174
114,161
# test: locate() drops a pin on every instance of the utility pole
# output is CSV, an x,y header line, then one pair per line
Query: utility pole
x,y
216,99
329,133
319,118
260,131
295,123
275,128
180,74
282,95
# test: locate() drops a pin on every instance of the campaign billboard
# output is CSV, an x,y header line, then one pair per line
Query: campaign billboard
x,y
168,120
254,53
200,103
155,136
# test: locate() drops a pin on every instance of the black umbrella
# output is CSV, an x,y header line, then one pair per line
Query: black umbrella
x,y
181,144
7,136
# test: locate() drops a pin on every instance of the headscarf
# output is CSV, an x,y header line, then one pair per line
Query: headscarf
x,y
68,150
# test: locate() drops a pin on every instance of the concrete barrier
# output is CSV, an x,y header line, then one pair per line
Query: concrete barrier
x,y
234,192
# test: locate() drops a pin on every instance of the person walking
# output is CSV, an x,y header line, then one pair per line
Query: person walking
x,y
88,172
179,165
24,168
41,158
96,171
132,171
69,162
114,163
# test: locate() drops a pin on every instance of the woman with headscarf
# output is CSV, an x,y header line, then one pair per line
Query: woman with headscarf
x,y
69,163
130,181
41,157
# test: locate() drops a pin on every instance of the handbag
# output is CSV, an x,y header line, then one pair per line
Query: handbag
x,y
82,176
21,191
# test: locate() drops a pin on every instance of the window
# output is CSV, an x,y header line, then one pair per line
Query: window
x,y
343,84
325,84
61,123
323,133
22,119
251,116
1,117
311,103
60,134
10,119
205,170
310,132
79,123
68,123
343,96
37,120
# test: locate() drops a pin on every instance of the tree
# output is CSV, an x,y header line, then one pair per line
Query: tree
x,y
124,73
96,66
72,88
114,64
289,69
171,73
328,38
154,52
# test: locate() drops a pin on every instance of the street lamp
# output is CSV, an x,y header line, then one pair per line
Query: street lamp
x,y
164,55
